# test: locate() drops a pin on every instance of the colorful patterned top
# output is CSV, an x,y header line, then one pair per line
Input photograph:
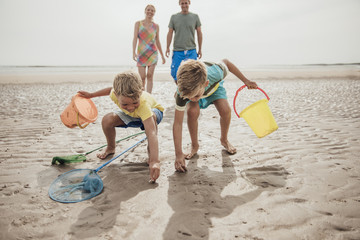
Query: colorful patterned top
x,y
147,50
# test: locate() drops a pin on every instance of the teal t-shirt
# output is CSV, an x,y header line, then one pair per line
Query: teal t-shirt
x,y
216,72
184,26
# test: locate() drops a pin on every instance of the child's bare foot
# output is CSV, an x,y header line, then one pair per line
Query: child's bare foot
x,y
106,153
194,150
229,148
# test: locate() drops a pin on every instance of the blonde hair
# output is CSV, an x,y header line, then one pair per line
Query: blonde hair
x,y
191,76
128,84
150,5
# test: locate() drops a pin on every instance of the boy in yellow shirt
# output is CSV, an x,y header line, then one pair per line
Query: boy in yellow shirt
x,y
137,109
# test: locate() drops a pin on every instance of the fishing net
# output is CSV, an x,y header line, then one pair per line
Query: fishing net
x,y
75,186
80,184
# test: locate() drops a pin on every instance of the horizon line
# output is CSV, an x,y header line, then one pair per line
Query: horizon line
x,y
302,64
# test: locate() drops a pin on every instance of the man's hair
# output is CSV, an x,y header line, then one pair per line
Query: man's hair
x,y
128,84
191,75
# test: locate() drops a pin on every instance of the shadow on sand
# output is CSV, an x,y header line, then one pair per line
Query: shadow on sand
x,y
120,185
196,197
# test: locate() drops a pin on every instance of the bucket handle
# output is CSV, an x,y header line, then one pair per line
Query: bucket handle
x,y
78,122
236,94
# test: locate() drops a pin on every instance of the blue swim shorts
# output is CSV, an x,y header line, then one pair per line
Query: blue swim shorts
x,y
220,93
178,57
136,122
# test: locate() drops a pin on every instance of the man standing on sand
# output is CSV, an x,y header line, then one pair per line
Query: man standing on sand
x,y
184,24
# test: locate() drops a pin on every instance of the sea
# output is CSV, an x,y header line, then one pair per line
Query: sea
x,y
163,68
71,69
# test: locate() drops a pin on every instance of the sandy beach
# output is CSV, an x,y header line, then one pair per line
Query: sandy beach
x,y
300,182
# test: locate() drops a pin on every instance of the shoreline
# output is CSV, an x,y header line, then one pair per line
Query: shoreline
x,y
94,77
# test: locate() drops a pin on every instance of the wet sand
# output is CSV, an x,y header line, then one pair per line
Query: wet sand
x,y
300,182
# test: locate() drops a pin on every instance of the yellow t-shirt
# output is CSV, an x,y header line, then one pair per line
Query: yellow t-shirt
x,y
147,102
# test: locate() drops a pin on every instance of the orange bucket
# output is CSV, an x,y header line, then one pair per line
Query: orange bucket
x,y
80,112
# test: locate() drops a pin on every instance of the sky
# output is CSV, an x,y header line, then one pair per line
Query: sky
x,y
248,32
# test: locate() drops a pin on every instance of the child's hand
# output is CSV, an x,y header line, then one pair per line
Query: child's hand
x,y
154,171
251,85
85,94
180,165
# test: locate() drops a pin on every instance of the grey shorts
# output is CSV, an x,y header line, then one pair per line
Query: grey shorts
x,y
136,122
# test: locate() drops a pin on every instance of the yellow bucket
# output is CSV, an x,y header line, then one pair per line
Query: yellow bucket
x,y
80,112
258,116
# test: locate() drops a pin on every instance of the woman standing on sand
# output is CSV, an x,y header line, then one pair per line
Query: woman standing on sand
x,y
149,44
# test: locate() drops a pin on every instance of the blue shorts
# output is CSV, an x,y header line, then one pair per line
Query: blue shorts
x,y
136,122
178,57
220,93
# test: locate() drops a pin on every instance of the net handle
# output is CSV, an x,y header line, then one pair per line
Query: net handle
x,y
133,135
236,94
98,169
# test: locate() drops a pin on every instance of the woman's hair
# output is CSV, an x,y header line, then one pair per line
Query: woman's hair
x,y
128,84
150,5
191,75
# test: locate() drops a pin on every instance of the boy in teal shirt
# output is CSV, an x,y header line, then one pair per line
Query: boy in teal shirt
x,y
199,85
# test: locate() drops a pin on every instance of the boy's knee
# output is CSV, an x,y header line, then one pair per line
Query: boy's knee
x,y
109,120
105,120
225,111
193,113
